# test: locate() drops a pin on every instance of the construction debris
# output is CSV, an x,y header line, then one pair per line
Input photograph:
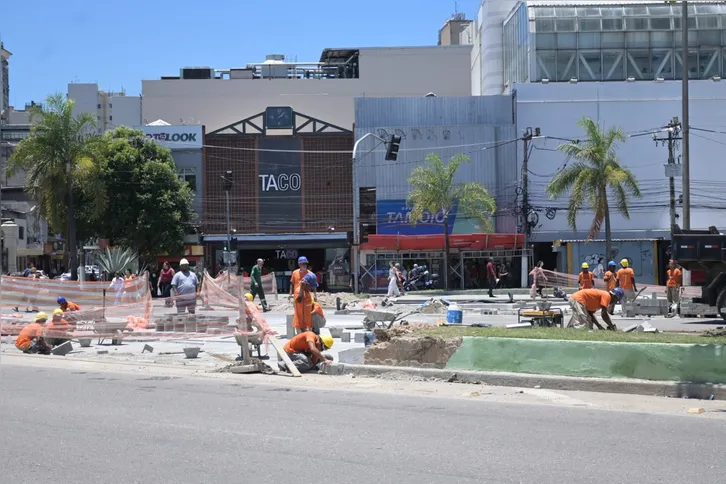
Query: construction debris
x,y
696,410
433,306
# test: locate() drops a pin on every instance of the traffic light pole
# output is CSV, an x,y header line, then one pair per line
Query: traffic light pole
x,y
355,253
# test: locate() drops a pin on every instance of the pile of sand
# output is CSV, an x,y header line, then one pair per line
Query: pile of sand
x,y
400,348
434,306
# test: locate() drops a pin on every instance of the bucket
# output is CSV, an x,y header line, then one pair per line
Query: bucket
x,y
454,315
85,342
192,352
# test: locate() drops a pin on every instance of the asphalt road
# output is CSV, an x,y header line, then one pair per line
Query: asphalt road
x,y
64,426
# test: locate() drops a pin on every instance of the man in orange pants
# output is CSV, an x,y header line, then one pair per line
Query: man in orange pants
x,y
303,303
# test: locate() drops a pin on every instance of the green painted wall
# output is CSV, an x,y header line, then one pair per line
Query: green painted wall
x,y
647,361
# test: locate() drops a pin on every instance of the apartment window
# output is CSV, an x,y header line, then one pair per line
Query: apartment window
x,y
110,118
99,106
190,176
21,232
110,105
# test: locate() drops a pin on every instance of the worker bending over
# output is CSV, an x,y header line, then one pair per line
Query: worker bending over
x,y
30,340
306,351
58,331
585,279
626,280
67,305
586,302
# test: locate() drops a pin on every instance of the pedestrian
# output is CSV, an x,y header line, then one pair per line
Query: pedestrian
x,y
585,279
167,274
539,279
586,302
117,286
184,287
256,288
600,269
306,351
302,319
675,281
503,276
401,279
393,281
626,280
491,277
31,340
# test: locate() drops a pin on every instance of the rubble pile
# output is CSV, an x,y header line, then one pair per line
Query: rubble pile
x,y
433,306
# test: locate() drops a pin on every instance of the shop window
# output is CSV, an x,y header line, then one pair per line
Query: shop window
x,y
189,176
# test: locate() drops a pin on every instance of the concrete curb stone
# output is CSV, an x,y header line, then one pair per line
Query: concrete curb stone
x,y
566,383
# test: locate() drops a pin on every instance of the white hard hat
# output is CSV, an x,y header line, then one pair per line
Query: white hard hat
x,y
183,262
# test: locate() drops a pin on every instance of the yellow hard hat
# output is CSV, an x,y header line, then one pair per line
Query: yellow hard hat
x,y
585,265
41,316
57,311
327,340
312,298
624,262
249,297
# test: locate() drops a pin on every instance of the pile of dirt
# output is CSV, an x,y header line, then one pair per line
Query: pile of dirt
x,y
399,347
719,331
433,306
255,361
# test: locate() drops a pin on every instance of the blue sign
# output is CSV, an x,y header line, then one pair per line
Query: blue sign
x,y
393,217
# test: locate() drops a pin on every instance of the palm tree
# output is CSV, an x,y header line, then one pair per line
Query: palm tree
x,y
595,175
434,190
56,157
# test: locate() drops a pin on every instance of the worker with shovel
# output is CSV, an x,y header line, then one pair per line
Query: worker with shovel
x,y
586,302
306,351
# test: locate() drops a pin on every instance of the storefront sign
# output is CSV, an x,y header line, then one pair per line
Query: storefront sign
x,y
280,184
286,254
175,137
394,217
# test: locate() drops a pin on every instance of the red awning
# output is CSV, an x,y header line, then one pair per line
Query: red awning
x,y
436,242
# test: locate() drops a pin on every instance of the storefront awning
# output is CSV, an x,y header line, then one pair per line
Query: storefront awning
x,y
317,240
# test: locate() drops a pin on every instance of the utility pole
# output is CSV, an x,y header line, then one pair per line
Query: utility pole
x,y
527,139
685,125
671,169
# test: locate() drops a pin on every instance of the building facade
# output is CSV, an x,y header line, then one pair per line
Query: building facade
x,y
111,109
324,89
4,77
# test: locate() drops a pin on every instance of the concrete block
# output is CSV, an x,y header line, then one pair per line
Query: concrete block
x,y
360,337
102,352
345,337
290,330
696,410
630,328
62,350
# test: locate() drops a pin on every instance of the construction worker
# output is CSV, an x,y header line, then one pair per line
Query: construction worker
x,y
306,351
302,319
30,340
585,279
298,274
256,283
626,280
318,317
675,281
611,276
58,330
586,302
67,305
250,327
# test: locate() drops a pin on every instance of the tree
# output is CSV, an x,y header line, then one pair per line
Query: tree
x,y
59,158
434,190
595,175
149,208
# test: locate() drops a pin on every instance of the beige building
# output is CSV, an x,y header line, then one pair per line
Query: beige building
x,y
324,89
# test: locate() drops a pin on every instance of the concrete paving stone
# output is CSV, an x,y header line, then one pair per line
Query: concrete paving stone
x,y
345,337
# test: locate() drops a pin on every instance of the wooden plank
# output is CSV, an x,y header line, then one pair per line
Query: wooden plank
x,y
283,354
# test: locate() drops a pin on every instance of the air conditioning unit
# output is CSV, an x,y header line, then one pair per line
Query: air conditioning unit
x,y
196,73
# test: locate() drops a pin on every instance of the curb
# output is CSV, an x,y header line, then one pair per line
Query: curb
x,y
702,391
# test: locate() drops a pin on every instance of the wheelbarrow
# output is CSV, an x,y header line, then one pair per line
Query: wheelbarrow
x,y
384,319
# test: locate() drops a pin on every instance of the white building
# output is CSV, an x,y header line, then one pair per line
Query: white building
x,y
324,89
586,40
111,109
4,78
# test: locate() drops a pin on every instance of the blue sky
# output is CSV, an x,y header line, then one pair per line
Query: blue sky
x,y
117,44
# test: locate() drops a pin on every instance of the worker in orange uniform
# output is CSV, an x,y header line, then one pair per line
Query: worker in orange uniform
x,y
302,319
586,280
306,351
675,281
318,316
626,280
67,305
58,330
30,340
586,302
611,276
298,274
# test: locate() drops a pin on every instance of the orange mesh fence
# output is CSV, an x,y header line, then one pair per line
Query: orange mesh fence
x,y
564,280
104,305
223,290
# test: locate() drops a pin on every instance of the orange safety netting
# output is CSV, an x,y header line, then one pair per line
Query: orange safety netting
x,y
106,305
564,280
223,290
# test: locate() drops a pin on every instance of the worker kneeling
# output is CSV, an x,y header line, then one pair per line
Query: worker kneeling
x,y
58,331
586,302
306,351
30,340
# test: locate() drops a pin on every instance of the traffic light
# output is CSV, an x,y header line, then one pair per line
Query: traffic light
x,y
227,180
233,243
392,149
